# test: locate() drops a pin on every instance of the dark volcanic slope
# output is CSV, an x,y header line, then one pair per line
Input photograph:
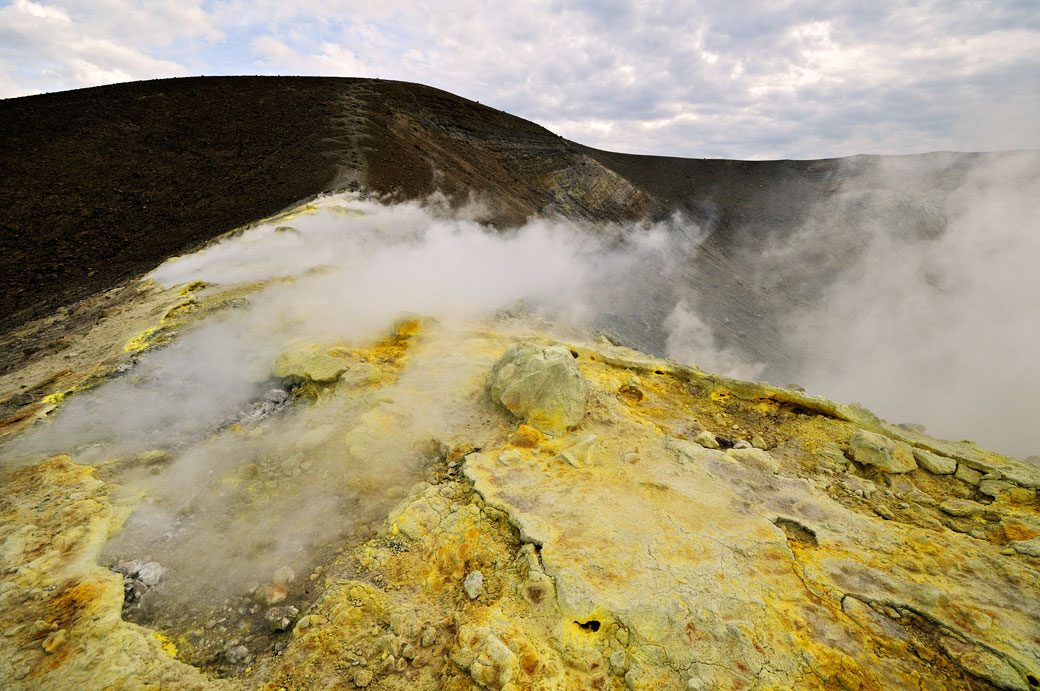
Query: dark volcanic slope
x,y
102,184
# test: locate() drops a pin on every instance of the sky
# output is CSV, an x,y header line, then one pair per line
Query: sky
x,y
696,78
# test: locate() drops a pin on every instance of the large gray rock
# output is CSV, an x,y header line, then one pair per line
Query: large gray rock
x,y
881,452
934,463
542,385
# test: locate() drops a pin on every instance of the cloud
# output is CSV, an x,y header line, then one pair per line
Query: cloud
x,y
707,79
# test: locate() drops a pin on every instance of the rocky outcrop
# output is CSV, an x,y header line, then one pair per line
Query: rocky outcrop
x,y
487,505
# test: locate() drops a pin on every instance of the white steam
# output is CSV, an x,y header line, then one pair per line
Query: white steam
x,y
939,328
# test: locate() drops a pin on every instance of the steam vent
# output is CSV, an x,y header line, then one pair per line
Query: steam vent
x,y
336,384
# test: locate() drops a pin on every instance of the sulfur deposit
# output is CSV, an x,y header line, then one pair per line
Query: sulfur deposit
x,y
489,503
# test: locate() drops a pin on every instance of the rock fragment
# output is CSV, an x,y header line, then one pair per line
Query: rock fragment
x,y
972,477
237,655
1028,547
362,678
541,385
707,440
280,618
934,463
474,584
962,508
881,452
308,365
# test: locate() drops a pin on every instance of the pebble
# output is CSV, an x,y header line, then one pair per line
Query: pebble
x,y
474,584
237,655
150,573
362,678
429,637
280,618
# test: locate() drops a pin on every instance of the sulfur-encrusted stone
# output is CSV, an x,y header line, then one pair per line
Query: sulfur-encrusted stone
x,y
541,385
881,452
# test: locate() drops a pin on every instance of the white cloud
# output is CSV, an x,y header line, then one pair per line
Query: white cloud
x,y
708,78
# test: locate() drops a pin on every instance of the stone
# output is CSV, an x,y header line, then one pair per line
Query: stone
x,y
280,618
308,365
966,474
237,655
759,443
362,678
707,440
1028,547
962,508
541,385
429,637
934,463
150,573
994,488
284,575
870,448
474,584
361,374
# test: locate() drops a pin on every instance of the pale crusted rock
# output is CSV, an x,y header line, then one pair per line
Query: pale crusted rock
x,y
1028,547
488,660
150,573
881,452
237,655
755,458
308,365
362,678
541,385
994,488
969,475
707,440
280,618
474,584
934,463
962,508
359,375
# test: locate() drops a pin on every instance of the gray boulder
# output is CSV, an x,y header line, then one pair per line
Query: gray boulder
x,y
881,452
541,385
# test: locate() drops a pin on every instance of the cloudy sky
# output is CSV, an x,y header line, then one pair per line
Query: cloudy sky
x,y
711,78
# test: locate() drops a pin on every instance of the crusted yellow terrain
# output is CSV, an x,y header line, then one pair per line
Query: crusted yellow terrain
x,y
691,532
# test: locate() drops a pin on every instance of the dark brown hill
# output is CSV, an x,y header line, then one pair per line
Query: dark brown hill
x,y
102,184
